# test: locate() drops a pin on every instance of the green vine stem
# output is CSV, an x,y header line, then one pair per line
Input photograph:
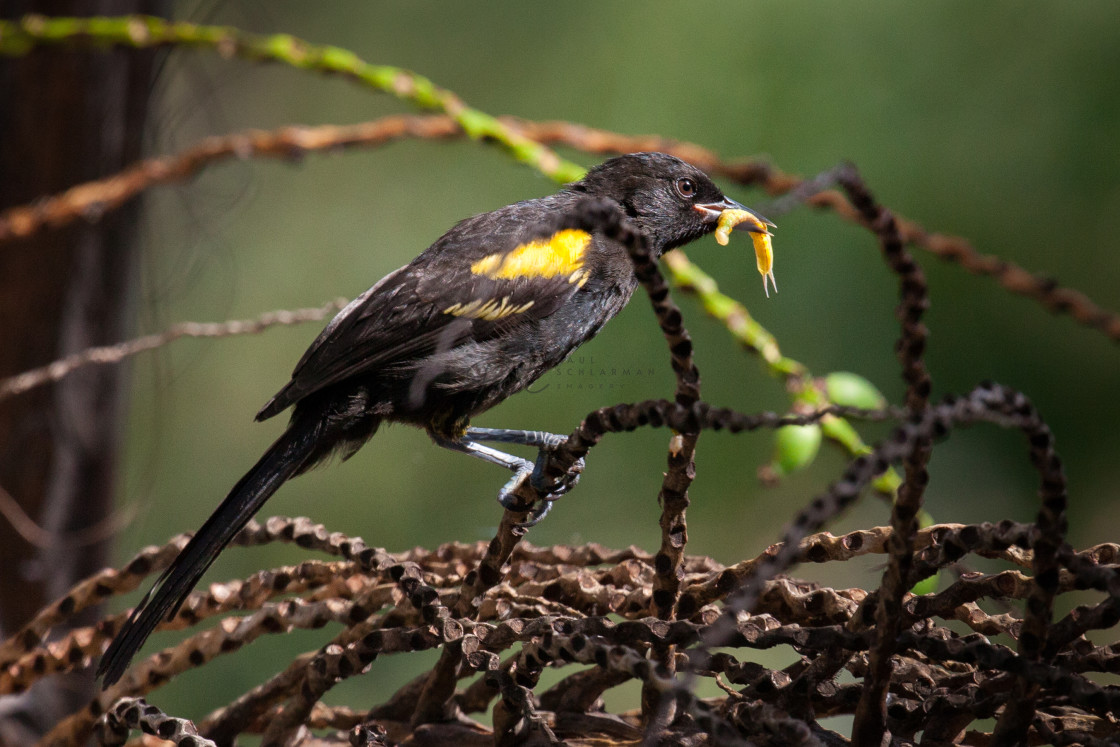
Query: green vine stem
x,y
752,335
17,38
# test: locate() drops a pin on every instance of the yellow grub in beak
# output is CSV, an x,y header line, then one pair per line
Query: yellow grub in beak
x,y
763,250
764,254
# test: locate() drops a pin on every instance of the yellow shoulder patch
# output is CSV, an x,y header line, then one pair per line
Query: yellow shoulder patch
x,y
559,254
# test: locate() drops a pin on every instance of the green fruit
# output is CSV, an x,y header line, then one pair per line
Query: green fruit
x,y
795,447
852,390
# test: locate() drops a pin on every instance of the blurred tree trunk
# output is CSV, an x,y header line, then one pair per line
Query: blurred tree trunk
x,y
65,117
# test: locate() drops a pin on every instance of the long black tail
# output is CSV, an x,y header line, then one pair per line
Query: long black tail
x,y
291,453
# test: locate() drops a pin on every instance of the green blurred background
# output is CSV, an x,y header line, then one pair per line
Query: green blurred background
x,y
999,122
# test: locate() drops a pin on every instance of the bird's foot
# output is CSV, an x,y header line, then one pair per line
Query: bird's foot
x,y
563,484
509,496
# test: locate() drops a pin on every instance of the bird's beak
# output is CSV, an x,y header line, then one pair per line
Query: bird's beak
x,y
712,210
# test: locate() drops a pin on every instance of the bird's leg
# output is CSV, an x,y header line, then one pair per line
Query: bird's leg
x,y
546,443
522,468
540,439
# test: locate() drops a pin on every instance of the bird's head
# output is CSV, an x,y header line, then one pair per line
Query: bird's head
x,y
670,201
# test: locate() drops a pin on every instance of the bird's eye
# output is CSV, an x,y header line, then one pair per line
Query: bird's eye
x,y
686,187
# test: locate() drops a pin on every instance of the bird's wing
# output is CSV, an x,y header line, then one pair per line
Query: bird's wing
x,y
465,287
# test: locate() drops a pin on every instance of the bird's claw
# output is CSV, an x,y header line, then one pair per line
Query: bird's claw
x,y
567,481
509,499
539,512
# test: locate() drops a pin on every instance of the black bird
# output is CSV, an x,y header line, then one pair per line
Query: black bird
x,y
487,309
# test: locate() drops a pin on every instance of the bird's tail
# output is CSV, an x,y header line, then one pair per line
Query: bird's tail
x,y
290,454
